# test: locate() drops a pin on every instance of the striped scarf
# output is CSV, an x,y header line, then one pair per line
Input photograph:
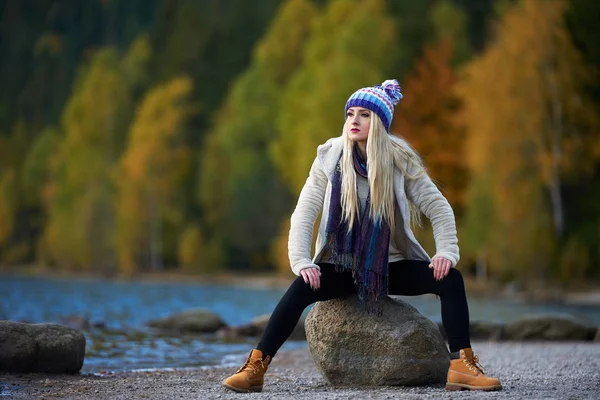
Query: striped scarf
x,y
365,249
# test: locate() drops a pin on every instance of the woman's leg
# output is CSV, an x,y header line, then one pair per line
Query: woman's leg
x,y
299,296
413,277
250,377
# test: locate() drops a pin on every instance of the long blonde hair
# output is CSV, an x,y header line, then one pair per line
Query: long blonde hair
x,y
382,154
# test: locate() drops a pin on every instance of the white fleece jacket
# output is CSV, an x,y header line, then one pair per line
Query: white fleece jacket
x,y
315,197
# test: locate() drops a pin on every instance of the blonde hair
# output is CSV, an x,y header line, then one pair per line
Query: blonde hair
x,y
383,153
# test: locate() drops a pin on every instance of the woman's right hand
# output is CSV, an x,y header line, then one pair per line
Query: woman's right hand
x,y
312,276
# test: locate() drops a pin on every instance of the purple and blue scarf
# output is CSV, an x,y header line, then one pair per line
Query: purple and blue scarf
x,y
365,249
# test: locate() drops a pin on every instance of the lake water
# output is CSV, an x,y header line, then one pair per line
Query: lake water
x,y
124,343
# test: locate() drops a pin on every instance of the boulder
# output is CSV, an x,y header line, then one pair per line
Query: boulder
x,y
351,347
49,348
597,337
190,321
483,330
549,327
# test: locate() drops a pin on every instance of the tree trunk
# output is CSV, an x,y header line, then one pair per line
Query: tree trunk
x,y
556,132
155,235
481,266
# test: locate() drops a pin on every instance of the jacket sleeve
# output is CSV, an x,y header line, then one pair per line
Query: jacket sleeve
x,y
430,201
310,204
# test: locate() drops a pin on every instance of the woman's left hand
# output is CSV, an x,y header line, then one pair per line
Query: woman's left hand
x,y
441,266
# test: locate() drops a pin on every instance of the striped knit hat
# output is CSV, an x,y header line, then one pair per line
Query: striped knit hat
x,y
380,99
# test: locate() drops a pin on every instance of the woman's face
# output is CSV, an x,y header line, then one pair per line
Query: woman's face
x,y
358,123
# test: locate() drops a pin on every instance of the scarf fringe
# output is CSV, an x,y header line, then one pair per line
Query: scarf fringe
x,y
371,286
374,286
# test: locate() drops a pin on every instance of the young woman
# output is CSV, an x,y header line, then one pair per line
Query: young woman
x,y
369,185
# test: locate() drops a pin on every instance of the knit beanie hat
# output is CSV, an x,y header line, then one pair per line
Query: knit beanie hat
x,y
380,99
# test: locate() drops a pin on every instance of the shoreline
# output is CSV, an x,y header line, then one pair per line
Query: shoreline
x,y
261,280
538,370
588,295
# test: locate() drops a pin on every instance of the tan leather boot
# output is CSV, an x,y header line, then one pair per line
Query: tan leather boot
x,y
466,374
249,378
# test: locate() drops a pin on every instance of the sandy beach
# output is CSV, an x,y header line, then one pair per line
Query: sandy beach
x,y
532,370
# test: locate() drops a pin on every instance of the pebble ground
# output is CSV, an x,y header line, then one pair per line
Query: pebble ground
x,y
528,370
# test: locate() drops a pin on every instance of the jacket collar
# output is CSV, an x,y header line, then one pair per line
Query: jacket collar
x,y
328,155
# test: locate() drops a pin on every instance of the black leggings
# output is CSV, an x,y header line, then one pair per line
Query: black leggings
x,y
406,278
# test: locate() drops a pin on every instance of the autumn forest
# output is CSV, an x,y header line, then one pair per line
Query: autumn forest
x,y
150,135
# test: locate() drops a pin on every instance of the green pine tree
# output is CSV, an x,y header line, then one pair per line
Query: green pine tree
x,y
241,191
347,50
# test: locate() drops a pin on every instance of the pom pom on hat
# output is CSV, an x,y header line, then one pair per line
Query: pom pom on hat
x,y
379,99
392,88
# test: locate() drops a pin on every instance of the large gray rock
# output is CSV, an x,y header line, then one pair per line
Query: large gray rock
x,y
549,327
190,321
351,347
40,348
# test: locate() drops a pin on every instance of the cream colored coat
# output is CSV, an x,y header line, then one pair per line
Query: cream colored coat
x,y
315,197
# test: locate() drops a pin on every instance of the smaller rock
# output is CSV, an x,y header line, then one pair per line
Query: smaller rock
x,y
485,330
236,332
76,322
227,333
98,323
479,330
256,328
549,327
190,321
48,348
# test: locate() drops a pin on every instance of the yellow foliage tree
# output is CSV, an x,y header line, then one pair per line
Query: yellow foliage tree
x,y
150,173
191,249
34,173
530,127
80,224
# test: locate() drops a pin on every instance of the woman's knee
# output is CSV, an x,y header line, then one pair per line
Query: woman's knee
x,y
299,294
454,280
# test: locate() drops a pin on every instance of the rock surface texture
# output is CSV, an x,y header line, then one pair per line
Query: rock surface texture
x,y
40,348
351,347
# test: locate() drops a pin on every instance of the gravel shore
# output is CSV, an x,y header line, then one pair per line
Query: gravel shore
x,y
540,370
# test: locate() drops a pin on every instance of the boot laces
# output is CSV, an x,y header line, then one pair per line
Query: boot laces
x,y
473,364
253,365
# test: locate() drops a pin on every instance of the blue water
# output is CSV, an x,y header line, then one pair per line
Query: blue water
x,y
124,343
